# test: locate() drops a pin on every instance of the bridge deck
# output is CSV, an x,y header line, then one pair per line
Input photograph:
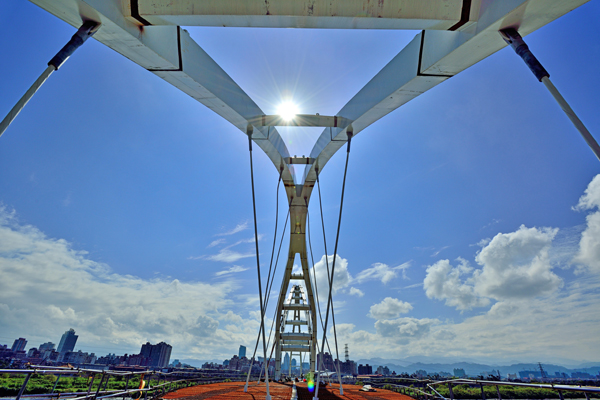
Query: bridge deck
x,y
235,390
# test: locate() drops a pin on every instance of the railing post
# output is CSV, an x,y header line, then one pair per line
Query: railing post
x,y
56,383
450,390
561,395
587,396
106,384
482,392
90,385
24,386
100,385
126,385
498,391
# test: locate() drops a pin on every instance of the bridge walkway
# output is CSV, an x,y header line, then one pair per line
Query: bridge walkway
x,y
235,390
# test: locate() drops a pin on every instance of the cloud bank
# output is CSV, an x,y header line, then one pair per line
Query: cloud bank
x,y
515,265
48,287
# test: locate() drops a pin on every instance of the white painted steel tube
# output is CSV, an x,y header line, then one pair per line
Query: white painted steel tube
x,y
572,116
28,94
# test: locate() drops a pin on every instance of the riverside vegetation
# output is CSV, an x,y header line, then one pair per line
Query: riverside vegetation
x,y
10,384
506,392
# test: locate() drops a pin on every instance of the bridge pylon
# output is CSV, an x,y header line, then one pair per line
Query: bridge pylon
x,y
296,318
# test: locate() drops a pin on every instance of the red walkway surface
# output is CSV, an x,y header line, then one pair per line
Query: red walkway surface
x,y
235,390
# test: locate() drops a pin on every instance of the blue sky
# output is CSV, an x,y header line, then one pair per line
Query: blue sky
x,y
126,208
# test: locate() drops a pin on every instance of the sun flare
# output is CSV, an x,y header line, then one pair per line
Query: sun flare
x,y
287,110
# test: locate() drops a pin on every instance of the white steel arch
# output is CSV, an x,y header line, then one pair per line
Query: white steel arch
x,y
455,34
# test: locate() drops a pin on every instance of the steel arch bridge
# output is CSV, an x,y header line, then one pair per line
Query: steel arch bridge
x,y
454,35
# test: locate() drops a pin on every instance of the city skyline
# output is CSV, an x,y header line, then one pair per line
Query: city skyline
x,y
470,217
150,355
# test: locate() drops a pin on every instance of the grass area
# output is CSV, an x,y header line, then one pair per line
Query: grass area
x,y
506,392
10,384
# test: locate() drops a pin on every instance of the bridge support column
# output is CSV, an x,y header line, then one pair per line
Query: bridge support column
x,y
295,340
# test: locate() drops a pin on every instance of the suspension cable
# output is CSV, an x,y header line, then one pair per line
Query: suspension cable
x,y
313,267
337,237
268,344
86,31
330,279
277,259
275,234
515,40
337,352
268,296
338,369
271,286
262,310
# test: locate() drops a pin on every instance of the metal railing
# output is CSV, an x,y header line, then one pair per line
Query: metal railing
x,y
170,381
424,389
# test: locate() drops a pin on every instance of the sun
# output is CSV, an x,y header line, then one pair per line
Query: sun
x,y
287,110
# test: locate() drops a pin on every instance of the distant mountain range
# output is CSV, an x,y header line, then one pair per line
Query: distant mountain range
x,y
473,368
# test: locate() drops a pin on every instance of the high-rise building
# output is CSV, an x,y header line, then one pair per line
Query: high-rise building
x,y
242,352
47,351
46,346
67,341
158,355
286,363
365,369
327,363
19,345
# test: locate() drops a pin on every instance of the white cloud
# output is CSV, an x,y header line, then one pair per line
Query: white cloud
x,y
502,309
443,282
444,335
565,322
216,243
535,313
67,200
416,285
228,256
232,270
341,280
493,222
238,228
436,253
249,240
344,329
382,272
516,265
389,308
403,329
356,292
588,254
48,287
591,196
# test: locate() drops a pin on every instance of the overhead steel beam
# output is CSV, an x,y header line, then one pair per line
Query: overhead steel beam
x,y
431,58
308,120
170,53
321,14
